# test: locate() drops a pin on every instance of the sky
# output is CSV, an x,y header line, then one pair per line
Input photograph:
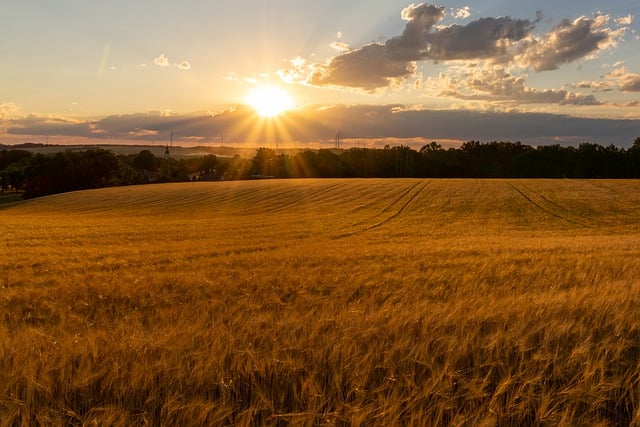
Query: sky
x,y
376,71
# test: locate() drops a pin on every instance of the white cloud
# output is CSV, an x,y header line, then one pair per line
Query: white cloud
x,y
298,62
463,13
342,47
295,73
161,61
8,110
626,20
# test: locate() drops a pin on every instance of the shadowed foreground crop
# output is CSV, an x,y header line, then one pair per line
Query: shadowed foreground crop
x,y
323,302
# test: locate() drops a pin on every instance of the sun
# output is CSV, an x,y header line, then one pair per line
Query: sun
x,y
269,101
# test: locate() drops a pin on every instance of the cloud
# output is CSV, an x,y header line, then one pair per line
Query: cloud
x,y
8,110
45,125
627,81
295,73
598,86
341,46
317,123
377,65
567,42
620,79
485,38
161,61
369,69
626,20
578,99
380,65
463,13
502,40
496,84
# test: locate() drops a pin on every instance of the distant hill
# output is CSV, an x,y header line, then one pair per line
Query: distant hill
x,y
157,150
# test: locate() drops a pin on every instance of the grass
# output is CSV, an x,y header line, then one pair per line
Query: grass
x,y
323,302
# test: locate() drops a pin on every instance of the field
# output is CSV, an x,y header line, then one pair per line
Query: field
x,y
323,302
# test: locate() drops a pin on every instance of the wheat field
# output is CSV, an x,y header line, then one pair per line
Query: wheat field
x,y
323,302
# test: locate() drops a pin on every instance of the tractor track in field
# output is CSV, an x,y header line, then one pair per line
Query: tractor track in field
x,y
402,208
550,211
590,220
387,208
397,199
410,195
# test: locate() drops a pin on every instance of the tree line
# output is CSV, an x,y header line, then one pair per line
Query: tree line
x,y
41,174
472,159
38,175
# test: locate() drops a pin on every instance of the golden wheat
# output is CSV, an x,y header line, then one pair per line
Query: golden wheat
x,y
323,302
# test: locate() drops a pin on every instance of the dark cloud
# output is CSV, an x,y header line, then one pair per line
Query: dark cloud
x,y
492,40
314,123
568,42
381,65
377,65
631,85
36,125
369,68
486,38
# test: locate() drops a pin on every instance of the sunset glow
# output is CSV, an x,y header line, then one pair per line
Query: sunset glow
x,y
269,101
546,72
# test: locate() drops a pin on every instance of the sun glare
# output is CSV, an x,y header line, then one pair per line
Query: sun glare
x,y
269,101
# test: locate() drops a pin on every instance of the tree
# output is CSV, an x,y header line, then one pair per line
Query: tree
x,y
633,159
145,160
208,164
433,147
238,168
67,171
14,175
8,157
263,162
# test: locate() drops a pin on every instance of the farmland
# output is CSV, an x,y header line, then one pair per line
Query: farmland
x,y
323,302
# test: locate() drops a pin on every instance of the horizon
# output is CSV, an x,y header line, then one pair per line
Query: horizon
x,y
544,74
